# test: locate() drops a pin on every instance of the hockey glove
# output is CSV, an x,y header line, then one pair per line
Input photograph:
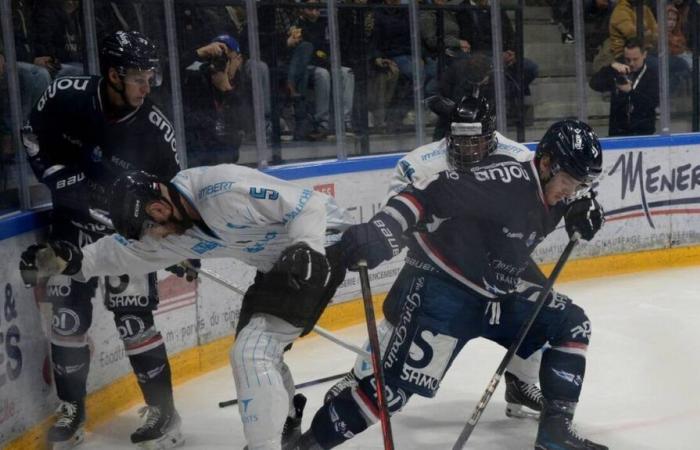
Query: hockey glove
x,y
586,216
304,266
44,260
186,269
375,241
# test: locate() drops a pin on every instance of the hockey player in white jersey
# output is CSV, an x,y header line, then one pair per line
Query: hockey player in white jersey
x,y
286,232
523,397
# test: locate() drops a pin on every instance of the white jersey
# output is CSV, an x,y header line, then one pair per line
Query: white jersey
x,y
253,217
428,160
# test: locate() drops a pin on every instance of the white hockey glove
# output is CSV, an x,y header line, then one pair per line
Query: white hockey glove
x,y
40,261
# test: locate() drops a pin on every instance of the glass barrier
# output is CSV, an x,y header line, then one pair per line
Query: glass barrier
x,y
548,81
9,186
368,48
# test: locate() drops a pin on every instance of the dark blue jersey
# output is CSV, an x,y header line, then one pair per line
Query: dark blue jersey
x,y
478,228
77,150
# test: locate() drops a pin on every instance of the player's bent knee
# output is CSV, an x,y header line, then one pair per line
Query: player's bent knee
x,y
575,329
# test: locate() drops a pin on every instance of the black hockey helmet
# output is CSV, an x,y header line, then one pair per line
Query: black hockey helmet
x,y
574,148
125,50
471,134
131,192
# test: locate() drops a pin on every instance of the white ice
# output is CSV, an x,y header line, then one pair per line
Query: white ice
x,y
640,392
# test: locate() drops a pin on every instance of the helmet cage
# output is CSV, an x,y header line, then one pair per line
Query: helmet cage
x,y
468,143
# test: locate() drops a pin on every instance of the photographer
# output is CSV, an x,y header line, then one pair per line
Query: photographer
x,y
217,100
635,91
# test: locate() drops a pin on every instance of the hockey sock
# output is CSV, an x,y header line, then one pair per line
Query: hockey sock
x,y
561,375
337,421
152,370
70,369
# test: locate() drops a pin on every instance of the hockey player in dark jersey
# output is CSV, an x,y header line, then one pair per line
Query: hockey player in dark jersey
x,y
470,233
85,131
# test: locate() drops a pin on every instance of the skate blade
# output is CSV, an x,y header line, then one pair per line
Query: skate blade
x,y
168,440
517,411
77,438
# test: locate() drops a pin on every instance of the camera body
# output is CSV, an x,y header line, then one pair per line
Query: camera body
x,y
622,78
218,63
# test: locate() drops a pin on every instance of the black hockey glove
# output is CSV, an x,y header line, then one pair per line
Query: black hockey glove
x,y
304,266
44,260
375,241
186,269
586,216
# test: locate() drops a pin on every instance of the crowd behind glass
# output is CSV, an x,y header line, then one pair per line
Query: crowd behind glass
x,y
255,81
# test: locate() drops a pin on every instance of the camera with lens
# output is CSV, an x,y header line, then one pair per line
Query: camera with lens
x,y
218,63
622,78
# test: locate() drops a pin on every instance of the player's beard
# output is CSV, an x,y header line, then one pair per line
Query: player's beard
x,y
171,226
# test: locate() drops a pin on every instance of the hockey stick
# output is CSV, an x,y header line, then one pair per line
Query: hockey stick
x,y
519,338
226,403
319,330
376,356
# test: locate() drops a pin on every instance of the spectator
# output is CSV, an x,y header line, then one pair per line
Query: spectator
x,y
465,77
59,37
217,99
597,23
635,91
454,46
563,16
475,24
5,136
311,58
33,79
623,26
356,27
677,42
391,49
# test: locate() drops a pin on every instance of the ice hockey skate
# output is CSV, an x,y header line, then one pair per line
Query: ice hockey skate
x,y
69,428
556,430
348,381
160,431
291,433
523,400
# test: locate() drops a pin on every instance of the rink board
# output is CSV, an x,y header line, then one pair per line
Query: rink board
x,y
650,189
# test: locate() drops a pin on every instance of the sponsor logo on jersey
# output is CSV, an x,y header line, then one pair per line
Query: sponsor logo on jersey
x,y
58,290
65,322
262,243
158,119
301,202
407,169
413,301
433,154
234,226
428,356
247,418
62,84
121,162
96,155
70,181
131,326
583,330
215,189
504,172
264,193
205,246
127,301
570,377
